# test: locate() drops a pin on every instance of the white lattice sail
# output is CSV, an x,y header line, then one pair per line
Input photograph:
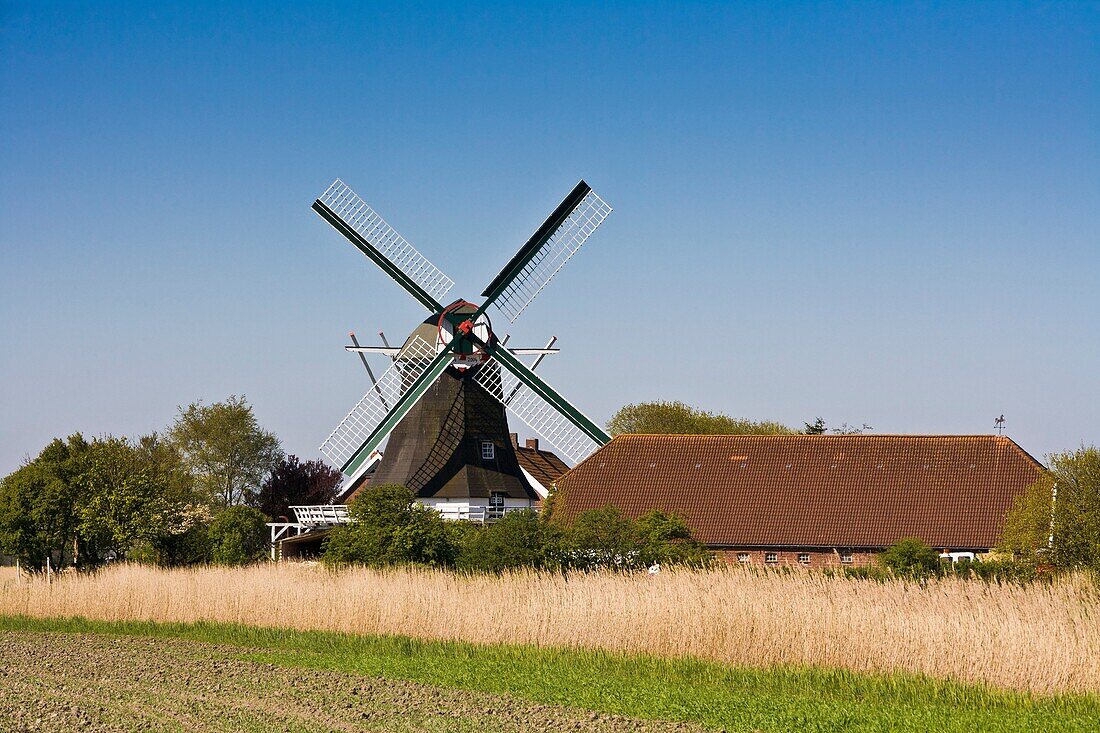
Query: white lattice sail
x,y
372,227
535,412
552,255
369,412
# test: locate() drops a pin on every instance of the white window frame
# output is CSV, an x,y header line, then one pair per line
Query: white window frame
x,y
771,558
744,558
846,558
497,502
488,450
804,558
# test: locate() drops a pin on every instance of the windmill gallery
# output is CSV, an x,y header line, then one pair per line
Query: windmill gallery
x,y
443,401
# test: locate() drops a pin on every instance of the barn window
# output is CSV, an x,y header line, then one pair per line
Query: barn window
x,y
771,557
488,450
846,558
743,557
803,558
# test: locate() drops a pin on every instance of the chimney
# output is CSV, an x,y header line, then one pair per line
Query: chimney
x,y
533,443
514,437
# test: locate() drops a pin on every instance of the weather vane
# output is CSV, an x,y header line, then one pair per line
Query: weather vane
x,y
999,424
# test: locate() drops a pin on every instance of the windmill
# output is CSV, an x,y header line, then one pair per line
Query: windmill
x,y
442,400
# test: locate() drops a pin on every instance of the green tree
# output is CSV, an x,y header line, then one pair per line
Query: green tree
x,y
389,527
238,536
225,449
520,539
1027,525
667,539
129,498
910,557
1076,476
817,427
676,418
40,505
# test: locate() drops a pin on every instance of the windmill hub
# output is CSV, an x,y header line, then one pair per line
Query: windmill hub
x,y
467,333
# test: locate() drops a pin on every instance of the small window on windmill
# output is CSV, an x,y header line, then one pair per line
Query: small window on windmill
x,y
488,450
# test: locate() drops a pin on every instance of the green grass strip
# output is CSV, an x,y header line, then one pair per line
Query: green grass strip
x,y
715,695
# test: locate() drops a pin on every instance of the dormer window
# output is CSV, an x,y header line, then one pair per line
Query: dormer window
x,y
488,450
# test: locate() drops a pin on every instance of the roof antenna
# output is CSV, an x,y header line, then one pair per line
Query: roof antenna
x,y
999,424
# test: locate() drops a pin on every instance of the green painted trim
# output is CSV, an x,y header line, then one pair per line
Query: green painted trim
x,y
527,251
397,414
542,389
376,255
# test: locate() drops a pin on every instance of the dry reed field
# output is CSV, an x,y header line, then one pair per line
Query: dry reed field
x,y
7,574
1039,638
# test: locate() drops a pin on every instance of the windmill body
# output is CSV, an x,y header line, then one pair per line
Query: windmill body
x,y
442,402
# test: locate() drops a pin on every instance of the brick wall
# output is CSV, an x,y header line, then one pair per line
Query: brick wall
x,y
790,557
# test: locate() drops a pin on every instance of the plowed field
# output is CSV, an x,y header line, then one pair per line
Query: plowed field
x,y
77,682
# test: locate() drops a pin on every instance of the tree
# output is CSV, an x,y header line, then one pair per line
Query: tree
x,y
817,427
225,449
389,527
126,500
293,483
238,536
1027,524
667,539
80,502
1076,477
910,557
676,418
40,505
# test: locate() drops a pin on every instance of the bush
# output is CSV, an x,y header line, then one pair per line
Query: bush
x,y
519,540
604,538
910,557
389,527
238,536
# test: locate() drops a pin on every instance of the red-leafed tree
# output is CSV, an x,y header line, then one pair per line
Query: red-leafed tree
x,y
293,483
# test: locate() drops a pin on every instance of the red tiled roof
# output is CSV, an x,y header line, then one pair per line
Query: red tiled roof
x,y
545,466
810,490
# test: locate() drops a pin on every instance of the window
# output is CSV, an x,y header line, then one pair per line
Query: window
x,y
743,557
496,504
803,558
845,558
488,450
771,557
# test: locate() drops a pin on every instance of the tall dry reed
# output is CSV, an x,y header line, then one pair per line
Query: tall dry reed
x,y
1043,638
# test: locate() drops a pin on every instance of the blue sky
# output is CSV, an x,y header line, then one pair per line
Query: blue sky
x,y
886,214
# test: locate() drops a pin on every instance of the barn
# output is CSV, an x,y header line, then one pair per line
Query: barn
x,y
816,500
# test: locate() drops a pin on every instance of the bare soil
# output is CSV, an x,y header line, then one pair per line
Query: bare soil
x,y
84,682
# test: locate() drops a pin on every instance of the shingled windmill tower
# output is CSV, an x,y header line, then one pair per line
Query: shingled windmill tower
x,y
442,402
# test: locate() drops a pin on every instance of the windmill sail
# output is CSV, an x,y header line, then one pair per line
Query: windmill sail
x,y
395,393
534,402
547,251
363,227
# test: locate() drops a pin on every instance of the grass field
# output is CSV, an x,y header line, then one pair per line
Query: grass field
x,y
557,681
1039,638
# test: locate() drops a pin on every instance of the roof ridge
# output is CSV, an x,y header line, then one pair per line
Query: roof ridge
x,y
828,436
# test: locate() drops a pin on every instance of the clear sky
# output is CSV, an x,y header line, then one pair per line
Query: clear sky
x,y
873,213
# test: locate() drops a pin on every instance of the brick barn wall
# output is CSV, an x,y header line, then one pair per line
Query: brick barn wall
x,y
788,557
